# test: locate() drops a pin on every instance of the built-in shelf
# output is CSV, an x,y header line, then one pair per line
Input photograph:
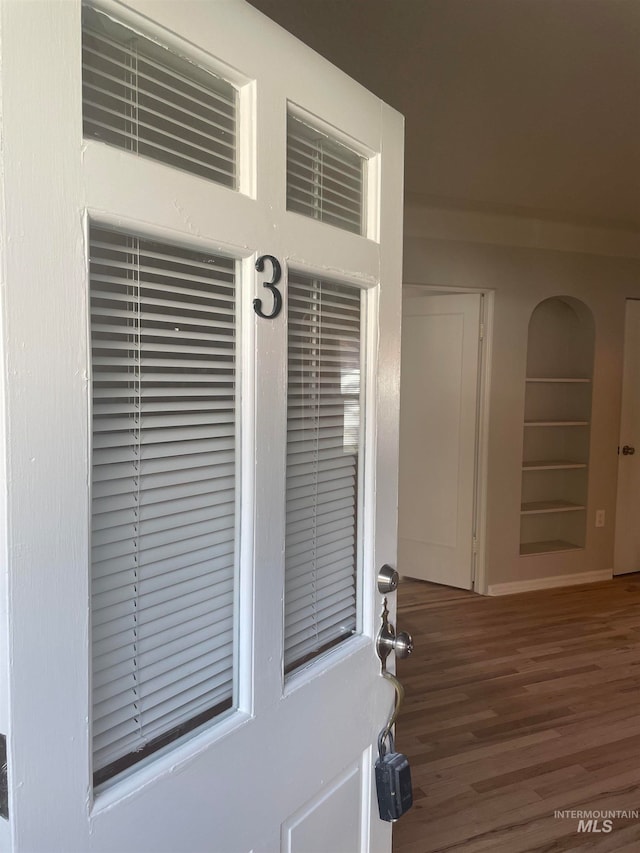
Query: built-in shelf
x,y
556,423
556,379
550,546
552,465
556,434
543,507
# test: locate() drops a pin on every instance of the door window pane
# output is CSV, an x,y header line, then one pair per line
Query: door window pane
x,y
325,179
163,540
142,97
324,404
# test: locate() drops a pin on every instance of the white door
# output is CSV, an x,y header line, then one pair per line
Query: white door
x,y
198,496
438,437
627,536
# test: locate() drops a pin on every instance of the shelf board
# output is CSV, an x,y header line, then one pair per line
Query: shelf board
x,y
552,465
555,423
551,546
543,507
556,379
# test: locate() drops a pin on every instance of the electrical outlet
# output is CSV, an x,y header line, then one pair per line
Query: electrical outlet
x,y
599,518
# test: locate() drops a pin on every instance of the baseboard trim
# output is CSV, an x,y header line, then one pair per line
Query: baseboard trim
x,y
513,587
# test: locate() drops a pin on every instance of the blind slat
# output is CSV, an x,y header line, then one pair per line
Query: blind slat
x,y
109,482
310,615
163,334
161,420
209,676
302,512
166,486
306,562
338,201
226,137
124,407
107,635
161,575
149,434
203,308
175,257
164,123
324,212
314,531
166,543
105,392
335,585
160,694
193,498
121,742
117,648
321,548
159,658
160,521
339,627
123,50
334,571
308,152
334,622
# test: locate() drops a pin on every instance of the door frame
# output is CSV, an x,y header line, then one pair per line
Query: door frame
x,y
479,552
621,426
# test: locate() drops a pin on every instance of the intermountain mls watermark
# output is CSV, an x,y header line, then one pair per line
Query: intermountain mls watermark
x,y
595,820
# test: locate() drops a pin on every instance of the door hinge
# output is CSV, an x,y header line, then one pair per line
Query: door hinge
x,y
474,545
4,779
481,331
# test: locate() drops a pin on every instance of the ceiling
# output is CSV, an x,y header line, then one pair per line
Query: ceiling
x,y
523,107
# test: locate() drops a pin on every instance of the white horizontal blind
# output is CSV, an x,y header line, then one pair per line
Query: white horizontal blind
x,y
163,493
139,96
323,448
325,179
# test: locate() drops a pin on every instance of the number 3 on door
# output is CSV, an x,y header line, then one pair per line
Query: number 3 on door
x,y
271,285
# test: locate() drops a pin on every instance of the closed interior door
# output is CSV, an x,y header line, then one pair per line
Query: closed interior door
x,y
438,437
627,536
205,262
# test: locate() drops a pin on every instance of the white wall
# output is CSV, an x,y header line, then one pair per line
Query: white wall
x,y
524,262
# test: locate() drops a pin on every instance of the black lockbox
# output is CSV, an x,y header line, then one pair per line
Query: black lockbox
x,y
393,784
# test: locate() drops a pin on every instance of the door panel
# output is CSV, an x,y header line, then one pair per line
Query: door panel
x,y
438,437
312,828
259,776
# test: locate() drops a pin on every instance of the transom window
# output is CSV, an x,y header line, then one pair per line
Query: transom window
x,y
139,96
325,179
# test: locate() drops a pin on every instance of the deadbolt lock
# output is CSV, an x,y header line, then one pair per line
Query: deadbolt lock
x,y
387,580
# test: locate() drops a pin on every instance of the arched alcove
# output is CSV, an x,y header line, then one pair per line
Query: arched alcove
x,y
555,474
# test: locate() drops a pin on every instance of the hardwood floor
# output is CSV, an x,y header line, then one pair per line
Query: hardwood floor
x,y
516,707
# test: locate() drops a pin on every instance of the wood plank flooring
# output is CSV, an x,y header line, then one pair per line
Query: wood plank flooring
x,y
516,707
